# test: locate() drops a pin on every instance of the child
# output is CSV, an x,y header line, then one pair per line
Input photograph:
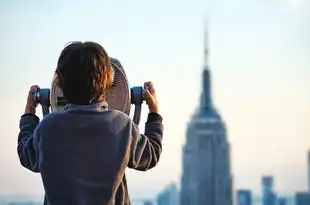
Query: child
x,y
82,152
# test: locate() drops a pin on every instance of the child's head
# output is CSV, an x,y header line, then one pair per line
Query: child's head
x,y
84,72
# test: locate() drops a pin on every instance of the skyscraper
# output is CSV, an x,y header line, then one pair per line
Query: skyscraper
x,y
206,178
302,198
148,202
308,171
269,197
282,201
244,197
169,196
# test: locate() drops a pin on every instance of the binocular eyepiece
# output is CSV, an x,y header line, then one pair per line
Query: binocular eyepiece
x,y
42,96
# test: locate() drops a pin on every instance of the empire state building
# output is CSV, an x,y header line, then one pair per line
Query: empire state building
x,y
206,177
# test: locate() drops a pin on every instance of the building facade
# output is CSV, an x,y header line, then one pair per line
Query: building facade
x,y
269,196
282,201
206,177
308,159
302,198
244,197
169,196
148,202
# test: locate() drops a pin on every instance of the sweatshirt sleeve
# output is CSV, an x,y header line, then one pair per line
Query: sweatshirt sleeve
x,y
26,147
146,148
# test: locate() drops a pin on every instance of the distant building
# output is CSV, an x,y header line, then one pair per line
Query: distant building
x,y
148,202
169,196
269,196
302,198
308,171
206,172
282,201
244,197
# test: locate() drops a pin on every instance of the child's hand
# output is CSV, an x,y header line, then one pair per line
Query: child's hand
x,y
31,103
150,97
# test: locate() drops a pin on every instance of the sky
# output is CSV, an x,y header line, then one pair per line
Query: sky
x,y
259,60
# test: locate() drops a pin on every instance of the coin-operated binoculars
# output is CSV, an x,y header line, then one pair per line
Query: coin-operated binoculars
x,y
119,97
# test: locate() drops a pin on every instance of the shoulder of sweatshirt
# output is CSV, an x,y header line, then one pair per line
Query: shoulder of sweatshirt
x,y
106,115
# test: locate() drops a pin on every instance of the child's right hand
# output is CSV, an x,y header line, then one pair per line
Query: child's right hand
x,y
150,97
31,103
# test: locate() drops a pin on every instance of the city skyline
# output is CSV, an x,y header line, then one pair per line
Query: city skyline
x,y
259,55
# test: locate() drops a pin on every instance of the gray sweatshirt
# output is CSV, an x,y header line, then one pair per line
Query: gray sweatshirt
x,y
82,153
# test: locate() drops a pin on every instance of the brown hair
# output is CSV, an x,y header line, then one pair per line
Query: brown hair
x,y
84,72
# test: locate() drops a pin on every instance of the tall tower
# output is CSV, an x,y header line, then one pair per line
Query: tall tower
x,y
206,178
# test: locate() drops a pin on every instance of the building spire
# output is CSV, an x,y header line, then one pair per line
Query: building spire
x,y
206,99
205,45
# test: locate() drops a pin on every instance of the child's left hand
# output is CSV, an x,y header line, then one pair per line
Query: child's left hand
x,y
31,103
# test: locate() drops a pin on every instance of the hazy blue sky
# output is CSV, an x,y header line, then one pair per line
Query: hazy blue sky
x,y
259,57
